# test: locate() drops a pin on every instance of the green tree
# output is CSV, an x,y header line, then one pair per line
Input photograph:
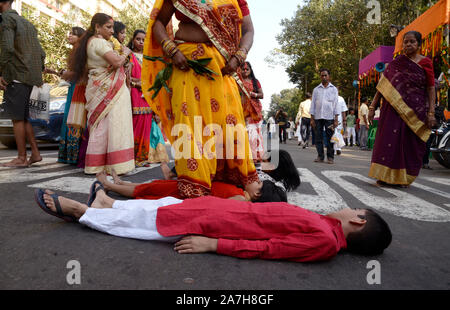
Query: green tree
x,y
288,100
133,19
336,35
53,39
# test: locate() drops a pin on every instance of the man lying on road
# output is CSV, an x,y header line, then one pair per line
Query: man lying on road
x,y
274,230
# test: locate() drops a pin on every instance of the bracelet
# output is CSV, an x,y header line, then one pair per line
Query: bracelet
x,y
169,47
241,55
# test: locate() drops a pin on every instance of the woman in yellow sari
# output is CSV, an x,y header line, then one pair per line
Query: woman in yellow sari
x,y
202,117
108,100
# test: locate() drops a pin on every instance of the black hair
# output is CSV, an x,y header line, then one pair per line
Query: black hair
x,y
118,27
79,59
130,44
373,238
78,31
286,172
253,77
364,99
308,95
271,193
417,35
324,69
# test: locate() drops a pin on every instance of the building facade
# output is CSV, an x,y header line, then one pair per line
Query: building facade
x,y
58,10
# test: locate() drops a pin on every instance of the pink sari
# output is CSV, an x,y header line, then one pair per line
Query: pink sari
x,y
142,118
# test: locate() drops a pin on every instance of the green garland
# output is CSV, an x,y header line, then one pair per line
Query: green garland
x,y
199,66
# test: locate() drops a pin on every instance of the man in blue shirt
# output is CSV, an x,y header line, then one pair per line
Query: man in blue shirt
x,y
324,115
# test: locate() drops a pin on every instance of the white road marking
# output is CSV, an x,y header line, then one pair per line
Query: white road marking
x,y
18,175
444,181
402,204
67,184
432,189
42,154
326,201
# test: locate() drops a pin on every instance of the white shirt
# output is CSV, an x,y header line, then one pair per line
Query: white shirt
x,y
343,107
324,104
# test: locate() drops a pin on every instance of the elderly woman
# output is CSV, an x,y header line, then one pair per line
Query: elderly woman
x,y
108,100
196,110
407,87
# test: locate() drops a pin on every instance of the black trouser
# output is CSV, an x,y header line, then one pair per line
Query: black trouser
x,y
305,129
321,126
282,133
426,157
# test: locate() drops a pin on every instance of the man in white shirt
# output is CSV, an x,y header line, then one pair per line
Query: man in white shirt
x,y
363,124
341,119
305,117
324,115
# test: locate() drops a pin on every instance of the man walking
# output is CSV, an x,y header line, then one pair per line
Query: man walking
x,y
341,120
324,115
363,124
21,66
305,116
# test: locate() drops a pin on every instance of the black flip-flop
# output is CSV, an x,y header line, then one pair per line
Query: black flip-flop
x,y
39,197
93,192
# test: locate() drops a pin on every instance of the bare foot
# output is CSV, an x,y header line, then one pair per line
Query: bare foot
x,y
34,159
102,178
17,163
116,178
168,174
102,201
68,206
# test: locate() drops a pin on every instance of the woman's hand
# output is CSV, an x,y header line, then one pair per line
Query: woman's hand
x,y
431,121
180,61
125,51
230,67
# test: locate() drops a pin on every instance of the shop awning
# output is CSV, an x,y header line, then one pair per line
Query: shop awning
x,y
381,54
427,23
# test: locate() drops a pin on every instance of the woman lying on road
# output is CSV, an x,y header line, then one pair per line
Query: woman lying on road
x,y
265,191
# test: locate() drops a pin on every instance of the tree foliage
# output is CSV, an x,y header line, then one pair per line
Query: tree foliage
x,y
335,34
133,19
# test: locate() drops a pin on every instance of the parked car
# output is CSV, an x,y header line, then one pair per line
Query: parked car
x,y
48,131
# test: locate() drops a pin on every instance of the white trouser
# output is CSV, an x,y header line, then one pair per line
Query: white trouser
x,y
351,132
130,219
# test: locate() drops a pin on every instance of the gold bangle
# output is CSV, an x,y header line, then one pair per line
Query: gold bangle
x,y
169,47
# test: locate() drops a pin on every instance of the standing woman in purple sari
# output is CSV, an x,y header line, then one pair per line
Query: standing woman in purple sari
x,y
407,88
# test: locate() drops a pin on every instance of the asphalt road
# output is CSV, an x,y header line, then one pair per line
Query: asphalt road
x,y
38,251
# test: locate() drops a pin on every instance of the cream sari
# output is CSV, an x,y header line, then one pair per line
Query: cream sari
x,y
110,120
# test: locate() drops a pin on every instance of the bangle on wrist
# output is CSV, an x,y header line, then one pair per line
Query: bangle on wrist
x,y
169,47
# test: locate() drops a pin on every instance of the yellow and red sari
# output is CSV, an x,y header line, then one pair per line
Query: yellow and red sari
x,y
197,112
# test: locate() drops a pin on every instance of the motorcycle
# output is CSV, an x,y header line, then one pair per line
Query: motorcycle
x,y
440,145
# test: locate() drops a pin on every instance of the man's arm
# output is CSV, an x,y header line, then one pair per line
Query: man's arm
x,y
312,108
298,247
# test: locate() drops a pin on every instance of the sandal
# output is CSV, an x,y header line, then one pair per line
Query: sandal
x,y
93,192
39,197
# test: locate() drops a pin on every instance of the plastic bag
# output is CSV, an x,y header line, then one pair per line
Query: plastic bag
x,y
40,102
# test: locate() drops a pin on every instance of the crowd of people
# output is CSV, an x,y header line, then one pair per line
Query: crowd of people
x,y
117,119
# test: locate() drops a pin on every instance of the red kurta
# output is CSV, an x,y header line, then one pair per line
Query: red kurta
x,y
164,188
255,230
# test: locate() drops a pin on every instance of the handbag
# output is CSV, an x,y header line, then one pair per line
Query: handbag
x,y
39,103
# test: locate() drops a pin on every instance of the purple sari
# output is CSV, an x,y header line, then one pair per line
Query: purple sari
x,y
402,133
